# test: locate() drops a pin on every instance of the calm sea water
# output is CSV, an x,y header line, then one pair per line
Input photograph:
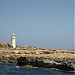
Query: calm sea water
x,y
11,69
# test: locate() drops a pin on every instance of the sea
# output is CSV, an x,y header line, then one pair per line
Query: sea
x,y
13,69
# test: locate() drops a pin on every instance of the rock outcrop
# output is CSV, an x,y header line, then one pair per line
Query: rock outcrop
x,y
37,57
66,65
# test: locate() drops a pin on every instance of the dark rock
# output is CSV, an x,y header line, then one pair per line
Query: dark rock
x,y
22,61
47,63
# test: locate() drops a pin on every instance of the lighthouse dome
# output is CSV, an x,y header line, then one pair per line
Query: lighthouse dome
x,y
13,34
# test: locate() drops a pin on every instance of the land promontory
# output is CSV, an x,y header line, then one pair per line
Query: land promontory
x,y
30,56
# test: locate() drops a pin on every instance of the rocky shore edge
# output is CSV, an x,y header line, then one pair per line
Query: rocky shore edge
x,y
65,65
59,59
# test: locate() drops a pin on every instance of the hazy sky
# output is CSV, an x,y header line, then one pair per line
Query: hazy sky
x,y
74,24
39,23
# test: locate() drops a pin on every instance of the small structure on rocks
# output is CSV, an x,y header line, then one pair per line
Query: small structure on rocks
x,y
4,45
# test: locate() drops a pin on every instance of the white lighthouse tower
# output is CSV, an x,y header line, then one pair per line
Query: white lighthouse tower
x,y
13,41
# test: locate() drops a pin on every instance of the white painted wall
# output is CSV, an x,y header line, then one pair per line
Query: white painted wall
x,y
13,40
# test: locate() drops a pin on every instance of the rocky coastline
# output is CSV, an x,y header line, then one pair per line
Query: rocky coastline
x,y
36,57
65,65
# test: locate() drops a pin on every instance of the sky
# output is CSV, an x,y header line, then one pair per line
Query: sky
x,y
39,23
74,24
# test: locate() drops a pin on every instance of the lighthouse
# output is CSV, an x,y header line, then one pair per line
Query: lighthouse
x,y
13,41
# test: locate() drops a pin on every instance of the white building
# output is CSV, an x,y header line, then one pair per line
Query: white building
x,y
13,41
